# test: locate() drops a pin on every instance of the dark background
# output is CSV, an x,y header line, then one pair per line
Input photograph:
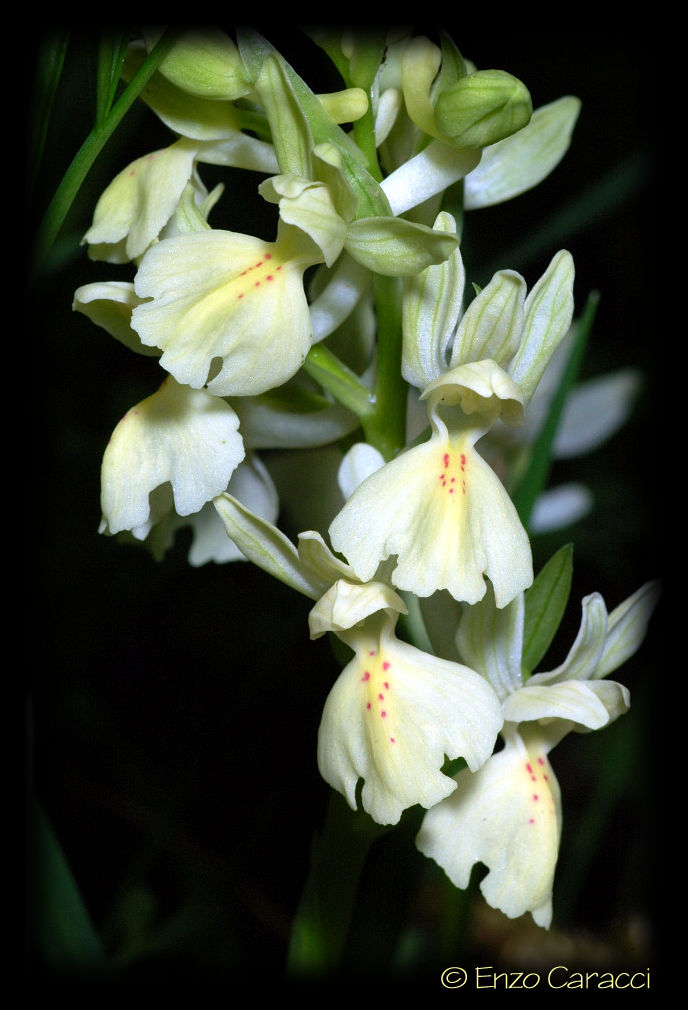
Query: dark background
x,y
172,712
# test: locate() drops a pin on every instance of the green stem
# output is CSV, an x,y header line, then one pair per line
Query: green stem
x,y
321,924
86,155
386,427
364,135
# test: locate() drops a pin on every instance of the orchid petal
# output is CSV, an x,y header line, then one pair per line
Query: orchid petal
x,y
491,641
109,304
178,435
221,295
442,510
519,162
594,411
392,716
431,309
507,815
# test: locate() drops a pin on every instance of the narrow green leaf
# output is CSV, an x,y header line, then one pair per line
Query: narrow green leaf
x,y
545,603
453,67
86,155
62,931
291,135
49,64
371,199
111,52
368,50
537,472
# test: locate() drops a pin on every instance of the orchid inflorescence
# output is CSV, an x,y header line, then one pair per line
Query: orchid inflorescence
x,y
356,327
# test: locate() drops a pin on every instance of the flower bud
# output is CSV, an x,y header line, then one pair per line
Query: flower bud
x,y
482,108
206,64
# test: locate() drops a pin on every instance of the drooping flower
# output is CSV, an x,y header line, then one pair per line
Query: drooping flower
x,y
395,713
178,438
508,814
438,507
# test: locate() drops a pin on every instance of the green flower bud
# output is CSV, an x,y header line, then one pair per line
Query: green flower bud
x,y
205,63
482,108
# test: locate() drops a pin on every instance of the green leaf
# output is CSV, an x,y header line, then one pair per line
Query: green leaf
x,y
520,162
49,64
368,50
537,472
291,134
545,603
83,160
338,857
111,51
64,936
453,67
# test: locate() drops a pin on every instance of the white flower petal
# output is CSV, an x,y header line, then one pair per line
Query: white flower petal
x,y
109,304
388,106
346,604
478,387
491,641
359,462
627,627
558,507
518,163
442,510
492,324
139,202
548,315
573,701
338,299
221,295
392,716
594,411
267,422
507,815
586,652
178,435
431,308
250,484
426,174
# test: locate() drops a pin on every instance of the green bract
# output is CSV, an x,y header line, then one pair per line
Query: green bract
x,y
482,108
203,62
